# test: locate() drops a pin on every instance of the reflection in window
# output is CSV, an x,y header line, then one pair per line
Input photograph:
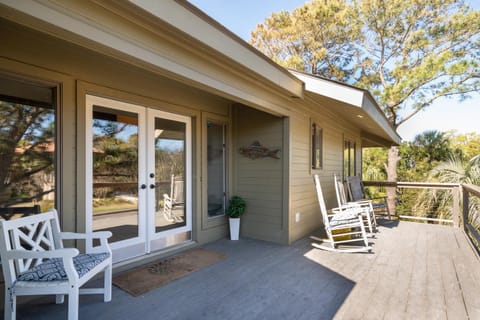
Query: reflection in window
x,y
349,157
115,171
216,176
27,148
317,144
170,166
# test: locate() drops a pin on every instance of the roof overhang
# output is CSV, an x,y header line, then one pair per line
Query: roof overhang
x,y
355,105
170,38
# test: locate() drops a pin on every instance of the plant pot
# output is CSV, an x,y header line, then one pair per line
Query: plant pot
x,y
234,228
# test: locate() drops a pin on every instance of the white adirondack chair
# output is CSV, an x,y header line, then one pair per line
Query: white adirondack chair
x,y
366,205
347,223
357,193
34,262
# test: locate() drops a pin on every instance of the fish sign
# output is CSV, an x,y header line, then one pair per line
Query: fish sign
x,y
256,151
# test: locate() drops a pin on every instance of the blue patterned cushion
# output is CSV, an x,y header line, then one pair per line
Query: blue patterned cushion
x,y
53,270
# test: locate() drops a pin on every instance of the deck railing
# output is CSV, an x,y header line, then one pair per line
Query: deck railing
x,y
471,215
464,214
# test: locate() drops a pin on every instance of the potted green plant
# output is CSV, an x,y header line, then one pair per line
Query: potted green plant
x,y
236,208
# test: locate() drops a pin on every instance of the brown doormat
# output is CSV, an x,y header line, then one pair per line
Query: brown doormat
x,y
140,281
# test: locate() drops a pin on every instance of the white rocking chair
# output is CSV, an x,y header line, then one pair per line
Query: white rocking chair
x,y
34,262
346,223
366,205
357,193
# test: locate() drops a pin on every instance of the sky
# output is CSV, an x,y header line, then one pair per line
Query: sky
x,y
241,17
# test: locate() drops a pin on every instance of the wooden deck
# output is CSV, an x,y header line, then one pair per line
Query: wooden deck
x,y
417,271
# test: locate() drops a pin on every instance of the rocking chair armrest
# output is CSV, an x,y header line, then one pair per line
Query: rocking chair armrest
x,y
68,253
347,206
362,202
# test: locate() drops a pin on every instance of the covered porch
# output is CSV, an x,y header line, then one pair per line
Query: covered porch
x,y
416,271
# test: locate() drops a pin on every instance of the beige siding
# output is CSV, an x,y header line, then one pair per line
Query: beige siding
x,y
260,181
78,71
303,199
275,189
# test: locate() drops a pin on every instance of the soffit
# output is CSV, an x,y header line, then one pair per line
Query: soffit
x,y
166,37
353,105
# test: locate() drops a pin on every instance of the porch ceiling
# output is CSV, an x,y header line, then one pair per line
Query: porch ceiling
x,y
170,38
354,105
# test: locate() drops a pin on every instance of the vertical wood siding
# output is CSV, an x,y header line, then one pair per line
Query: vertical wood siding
x,y
259,181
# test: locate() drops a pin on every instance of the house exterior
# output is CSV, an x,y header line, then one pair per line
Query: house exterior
x,y
154,100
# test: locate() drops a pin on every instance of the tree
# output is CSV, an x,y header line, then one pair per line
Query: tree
x,y
432,146
317,38
455,170
407,53
466,145
26,131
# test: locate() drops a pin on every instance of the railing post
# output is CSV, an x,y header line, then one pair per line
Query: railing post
x,y
456,207
465,209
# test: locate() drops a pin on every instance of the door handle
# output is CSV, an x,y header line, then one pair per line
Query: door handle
x,y
152,186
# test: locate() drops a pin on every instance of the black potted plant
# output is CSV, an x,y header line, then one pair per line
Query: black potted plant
x,y
236,208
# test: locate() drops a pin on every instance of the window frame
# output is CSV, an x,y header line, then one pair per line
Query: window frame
x,y
349,157
41,99
207,221
316,146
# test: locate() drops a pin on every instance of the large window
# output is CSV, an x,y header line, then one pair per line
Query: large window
x,y
349,158
27,148
317,145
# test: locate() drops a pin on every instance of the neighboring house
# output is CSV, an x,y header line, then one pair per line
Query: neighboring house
x,y
162,89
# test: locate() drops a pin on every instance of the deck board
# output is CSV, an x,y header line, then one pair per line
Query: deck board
x,y
416,271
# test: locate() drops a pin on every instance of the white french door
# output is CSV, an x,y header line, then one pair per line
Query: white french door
x,y
138,171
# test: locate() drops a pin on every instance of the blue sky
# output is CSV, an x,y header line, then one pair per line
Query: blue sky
x,y
241,17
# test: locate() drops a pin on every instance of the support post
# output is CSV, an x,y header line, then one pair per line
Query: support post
x,y
464,221
456,207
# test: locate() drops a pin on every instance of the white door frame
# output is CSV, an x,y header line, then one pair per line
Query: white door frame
x,y
142,244
152,235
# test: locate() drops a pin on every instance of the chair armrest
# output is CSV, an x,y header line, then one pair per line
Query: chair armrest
x,y
68,253
362,202
89,237
348,208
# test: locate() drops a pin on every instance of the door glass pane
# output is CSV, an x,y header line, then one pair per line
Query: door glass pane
x,y
215,168
169,174
27,154
115,172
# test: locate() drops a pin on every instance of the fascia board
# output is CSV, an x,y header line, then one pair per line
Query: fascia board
x,y
331,89
374,112
351,96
